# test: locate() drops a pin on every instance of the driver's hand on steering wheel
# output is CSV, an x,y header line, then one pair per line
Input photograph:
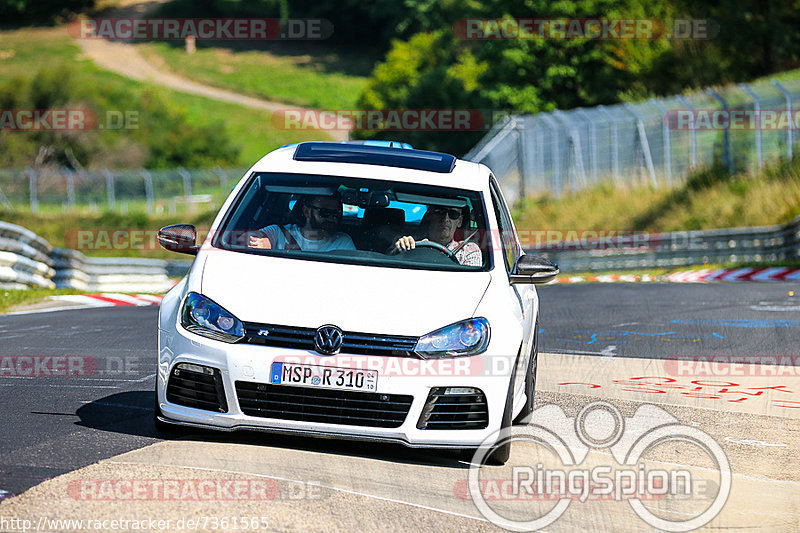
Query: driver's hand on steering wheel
x,y
406,243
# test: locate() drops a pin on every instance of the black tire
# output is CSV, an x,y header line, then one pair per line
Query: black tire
x,y
530,378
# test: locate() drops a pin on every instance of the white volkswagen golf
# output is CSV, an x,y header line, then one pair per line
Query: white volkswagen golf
x,y
354,290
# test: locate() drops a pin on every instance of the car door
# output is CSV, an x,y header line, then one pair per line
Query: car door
x,y
522,296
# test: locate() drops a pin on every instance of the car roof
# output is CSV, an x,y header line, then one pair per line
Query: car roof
x,y
463,174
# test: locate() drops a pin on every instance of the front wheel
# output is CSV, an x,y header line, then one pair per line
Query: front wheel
x,y
530,379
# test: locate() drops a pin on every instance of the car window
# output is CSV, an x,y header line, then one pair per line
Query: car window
x,y
356,220
507,236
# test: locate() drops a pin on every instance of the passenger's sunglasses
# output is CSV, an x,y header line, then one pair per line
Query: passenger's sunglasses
x,y
441,211
326,213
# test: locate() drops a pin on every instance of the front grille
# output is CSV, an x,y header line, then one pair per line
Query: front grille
x,y
354,343
197,386
307,404
465,410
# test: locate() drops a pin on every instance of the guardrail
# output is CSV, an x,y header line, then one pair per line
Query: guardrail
x,y
24,258
27,260
109,274
758,245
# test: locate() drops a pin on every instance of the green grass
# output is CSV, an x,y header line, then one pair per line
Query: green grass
x,y
301,80
709,199
10,298
27,49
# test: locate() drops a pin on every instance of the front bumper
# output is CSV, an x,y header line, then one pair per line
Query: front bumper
x,y
398,376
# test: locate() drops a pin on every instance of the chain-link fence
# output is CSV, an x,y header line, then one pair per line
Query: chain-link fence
x,y
658,141
152,191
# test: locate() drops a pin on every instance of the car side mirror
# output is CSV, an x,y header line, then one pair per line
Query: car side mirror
x,y
179,238
533,269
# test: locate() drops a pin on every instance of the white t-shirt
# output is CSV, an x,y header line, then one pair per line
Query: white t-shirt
x,y
339,241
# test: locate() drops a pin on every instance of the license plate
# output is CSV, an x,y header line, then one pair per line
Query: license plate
x,y
324,376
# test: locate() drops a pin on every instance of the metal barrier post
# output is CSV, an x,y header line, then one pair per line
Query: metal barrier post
x,y
614,141
592,142
32,184
148,189
648,158
112,198
521,167
223,178
69,176
726,136
788,96
757,109
692,132
558,184
667,143
577,151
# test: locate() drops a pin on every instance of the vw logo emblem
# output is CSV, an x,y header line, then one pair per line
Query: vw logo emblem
x,y
328,340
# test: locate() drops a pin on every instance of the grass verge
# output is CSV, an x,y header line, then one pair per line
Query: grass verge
x,y
13,297
298,79
709,199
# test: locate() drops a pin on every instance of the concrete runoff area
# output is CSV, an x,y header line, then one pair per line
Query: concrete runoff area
x,y
328,485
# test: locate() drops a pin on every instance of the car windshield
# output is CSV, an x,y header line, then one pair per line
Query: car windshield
x,y
358,221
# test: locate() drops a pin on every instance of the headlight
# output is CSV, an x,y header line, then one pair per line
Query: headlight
x,y
469,337
204,317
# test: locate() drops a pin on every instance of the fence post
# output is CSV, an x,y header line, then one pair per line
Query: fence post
x,y
5,202
757,109
788,96
148,189
32,184
521,161
614,141
592,142
558,184
667,143
187,188
726,136
692,132
648,158
69,176
112,198
223,178
577,151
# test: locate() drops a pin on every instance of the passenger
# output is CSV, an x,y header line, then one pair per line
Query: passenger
x,y
319,231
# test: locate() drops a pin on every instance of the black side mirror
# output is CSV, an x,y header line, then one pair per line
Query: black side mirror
x,y
179,238
533,269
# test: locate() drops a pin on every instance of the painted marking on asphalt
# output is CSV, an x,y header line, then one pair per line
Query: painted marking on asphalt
x,y
309,483
723,386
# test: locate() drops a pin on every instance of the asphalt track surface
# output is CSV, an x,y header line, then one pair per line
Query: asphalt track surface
x,y
53,425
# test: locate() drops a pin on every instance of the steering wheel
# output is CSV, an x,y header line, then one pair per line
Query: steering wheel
x,y
426,244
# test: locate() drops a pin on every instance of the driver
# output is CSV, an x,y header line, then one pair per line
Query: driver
x,y
319,231
441,226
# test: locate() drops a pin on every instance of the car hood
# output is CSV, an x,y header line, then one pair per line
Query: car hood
x,y
366,299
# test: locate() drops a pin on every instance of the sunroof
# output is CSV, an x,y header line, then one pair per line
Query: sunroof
x,y
375,155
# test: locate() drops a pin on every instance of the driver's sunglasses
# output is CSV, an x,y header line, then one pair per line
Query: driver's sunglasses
x,y
452,213
326,213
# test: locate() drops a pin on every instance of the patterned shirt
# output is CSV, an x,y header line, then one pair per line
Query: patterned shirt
x,y
469,255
